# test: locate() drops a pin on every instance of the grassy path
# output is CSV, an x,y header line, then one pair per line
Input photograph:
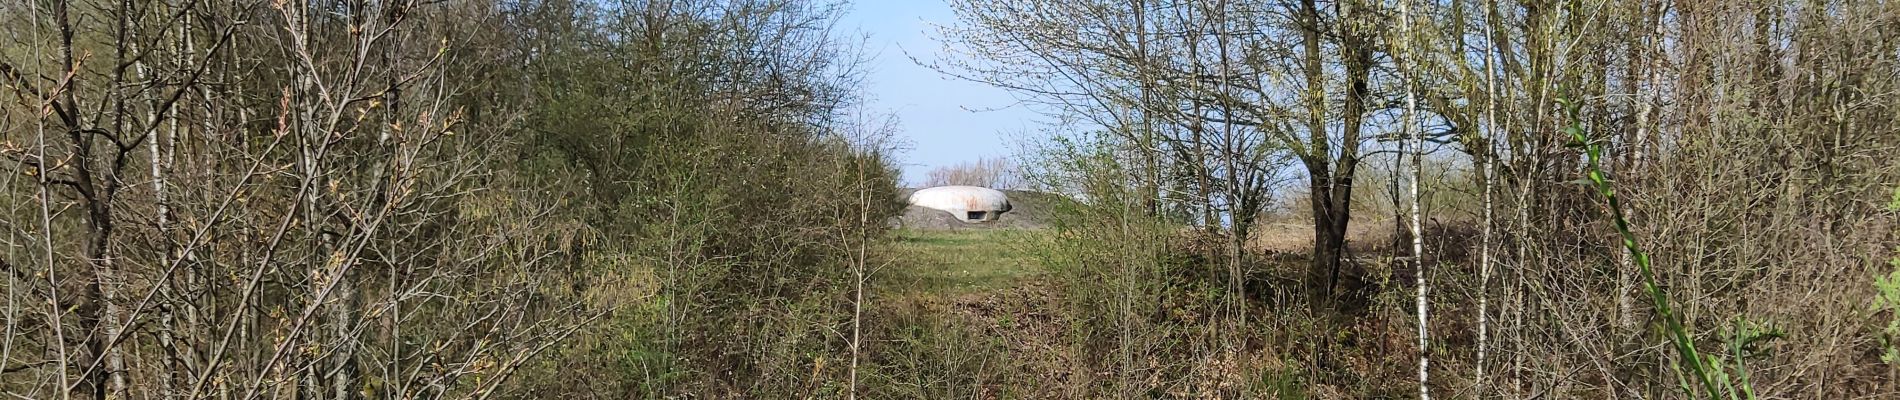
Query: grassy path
x,y
967,314
948,263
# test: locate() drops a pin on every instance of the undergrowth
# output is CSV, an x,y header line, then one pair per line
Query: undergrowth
x,y
1710,371
1888,299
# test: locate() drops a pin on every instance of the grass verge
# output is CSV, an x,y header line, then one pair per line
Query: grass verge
x,y
956,262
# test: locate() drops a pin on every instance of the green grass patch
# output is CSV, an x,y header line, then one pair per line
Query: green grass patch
x,y
944,262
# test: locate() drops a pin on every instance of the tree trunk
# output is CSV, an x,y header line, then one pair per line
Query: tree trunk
x,y
1330,216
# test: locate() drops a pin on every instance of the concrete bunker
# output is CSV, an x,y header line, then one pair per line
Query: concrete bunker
x,y
969,204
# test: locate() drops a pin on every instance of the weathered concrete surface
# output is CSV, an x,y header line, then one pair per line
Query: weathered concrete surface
x,y
1027,210
965,203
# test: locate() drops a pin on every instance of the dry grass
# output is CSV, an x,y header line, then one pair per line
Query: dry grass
x,y
969,314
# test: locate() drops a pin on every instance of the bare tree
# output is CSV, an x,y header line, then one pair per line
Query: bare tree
x,y
1486,154
990,172
1422,291
315,230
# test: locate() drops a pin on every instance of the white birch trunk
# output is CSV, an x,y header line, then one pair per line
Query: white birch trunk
x,y
1418,172
1489,165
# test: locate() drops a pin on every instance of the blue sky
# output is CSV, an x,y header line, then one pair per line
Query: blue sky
x,y
944,120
